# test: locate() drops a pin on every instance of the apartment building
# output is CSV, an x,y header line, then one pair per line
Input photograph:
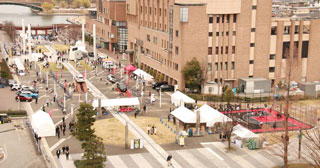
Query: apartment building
x,y
111,25
231,39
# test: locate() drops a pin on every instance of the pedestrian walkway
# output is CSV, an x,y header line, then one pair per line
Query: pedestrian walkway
x,y
156,150
213,155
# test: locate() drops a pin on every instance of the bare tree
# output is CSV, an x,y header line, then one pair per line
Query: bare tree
x,y
74,33
311,146
227,129
10,29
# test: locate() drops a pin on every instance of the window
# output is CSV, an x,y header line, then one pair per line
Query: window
x,y
216,66
155,40
177,50
177,67
226,49
210,34
253,29
217,33
100,6
228,18
306,29
217,50
165,12
296,29
155,11
150,10
251,61
209,67
250,76
184,14
285,49
272,56
226,66
305,46
286,30
177,33
221,50
140,9
221,65
273,30
218,18
148,37
234,18
232,65
251,44
222,18
216,80
233,49
254,7
210,19
209,50
160,11
234,33
227,33
222,33
271,69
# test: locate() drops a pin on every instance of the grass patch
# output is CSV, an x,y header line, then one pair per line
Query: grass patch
x,y
42,48
83,65
5,71
60,47
53,67
297,165
164,134
112,131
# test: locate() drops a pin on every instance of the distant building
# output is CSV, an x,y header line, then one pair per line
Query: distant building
x,y
111,25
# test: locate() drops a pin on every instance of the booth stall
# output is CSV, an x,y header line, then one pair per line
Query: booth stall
x,y
129,68
242,135
20,67
180,99
211,116
121,105
185,115
42,124
144,75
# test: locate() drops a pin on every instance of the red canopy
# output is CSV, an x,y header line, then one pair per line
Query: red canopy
x,y
130,68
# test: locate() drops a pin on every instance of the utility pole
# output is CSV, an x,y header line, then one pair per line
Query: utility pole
x,y
47,81
300,138
99,107
126,137
160,97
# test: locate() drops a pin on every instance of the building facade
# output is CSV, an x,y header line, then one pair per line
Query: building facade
x,y
111,25
231,39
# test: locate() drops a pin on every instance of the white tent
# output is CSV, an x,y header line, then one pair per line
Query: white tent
x,y
179,99
143,74
116,102
210,116
243,132
185,115
42,124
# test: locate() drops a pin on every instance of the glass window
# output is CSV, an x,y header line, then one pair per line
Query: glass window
x,y
271,69
177,50
273,30
285,49
217,33
296,29
228,18
233,49
217,50
254,7
253,29
218,18
234,33
221,50
210,34
177,33
251,61
209,50
226,49
184,12
232,65
216,66
305,46
286,30
272,56
222,18
226,66
148,37
306,29
209,66
251,44
211,19
160,11
234,18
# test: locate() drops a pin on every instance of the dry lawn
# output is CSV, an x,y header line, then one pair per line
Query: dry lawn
x,y
42,47
164,134
52,66
60,47
275,138
83,65
112,131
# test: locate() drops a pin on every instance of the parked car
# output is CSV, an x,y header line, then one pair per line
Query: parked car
x,y
23,98
79,78
5,118
122,87
90,54
28,94
11,82
111,78
165,88
15,87
30,89
158,84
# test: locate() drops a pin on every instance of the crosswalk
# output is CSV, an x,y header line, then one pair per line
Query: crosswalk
x,y
212,155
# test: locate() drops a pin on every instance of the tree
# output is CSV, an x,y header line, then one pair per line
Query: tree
x,y
63,4
94,153
192,73
227,129
311,146
10,29
86,3
74,33
47,7
228,95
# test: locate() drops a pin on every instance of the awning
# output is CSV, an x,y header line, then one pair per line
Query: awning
x,y
130,68
117,102
143,74
179,99
243,132
42,124
185,115
210,116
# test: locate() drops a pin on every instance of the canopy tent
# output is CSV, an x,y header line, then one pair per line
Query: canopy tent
x,y
107,60
184,114
210,116
243,132
42,124
130,68
179,99
36,56
17,61
143,74
116,102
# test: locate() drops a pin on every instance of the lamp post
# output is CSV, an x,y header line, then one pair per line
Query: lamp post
x,y
47,81
160,96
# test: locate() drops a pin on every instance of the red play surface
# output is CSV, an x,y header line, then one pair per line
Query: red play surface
x,y
271,118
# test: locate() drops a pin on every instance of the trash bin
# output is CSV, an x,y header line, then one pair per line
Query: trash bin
x,y
190,133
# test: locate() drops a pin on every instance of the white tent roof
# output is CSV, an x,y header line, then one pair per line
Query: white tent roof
x,y
178,97
185,115
117,102
143,74
210,116
17,61
243,132
42,124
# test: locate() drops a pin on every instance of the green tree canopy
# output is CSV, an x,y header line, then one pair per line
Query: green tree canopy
x,y
83,130
192,74
228,95
47,7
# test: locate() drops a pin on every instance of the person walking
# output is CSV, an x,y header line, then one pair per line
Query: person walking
x,y
64,131
60,127
57,129
148,129
63,149
135,115
58,133
58,153
63,119
64,125
36,99
152,130
168,117
67,155
144,108
169,160
67,148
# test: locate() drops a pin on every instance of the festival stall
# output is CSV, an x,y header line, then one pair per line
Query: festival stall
x,y
121,105
180,99
42,124
144,75
129,68
185,115
242,135
211,116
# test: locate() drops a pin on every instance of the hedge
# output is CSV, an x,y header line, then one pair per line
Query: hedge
x,y
14,112
4,68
